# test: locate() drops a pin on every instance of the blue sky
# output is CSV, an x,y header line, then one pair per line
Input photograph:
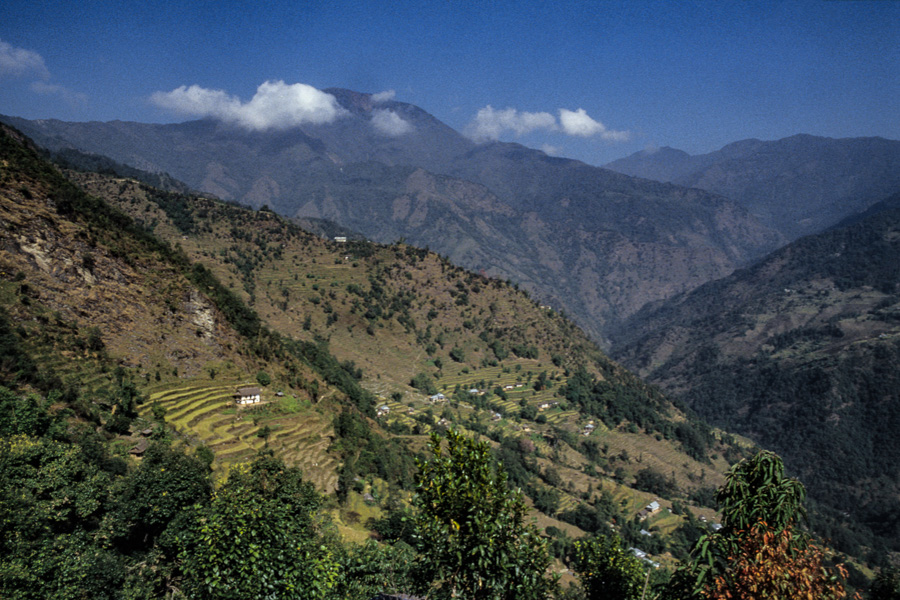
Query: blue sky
x,y
590,80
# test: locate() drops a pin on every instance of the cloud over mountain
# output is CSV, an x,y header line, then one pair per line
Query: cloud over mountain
x,y
384,96
390,123
490,124
18,62
276,105
579,123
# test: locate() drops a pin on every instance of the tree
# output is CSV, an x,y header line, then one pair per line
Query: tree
x,y
371,569
257,538
26,416
51,500
263,378
758,552
607,569
769,565
424,383
473,542
152,495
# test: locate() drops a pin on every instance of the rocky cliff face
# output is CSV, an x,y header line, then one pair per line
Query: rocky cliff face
x,y
74,276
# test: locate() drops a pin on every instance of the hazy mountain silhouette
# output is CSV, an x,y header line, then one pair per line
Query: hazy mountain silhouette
x,y
798,185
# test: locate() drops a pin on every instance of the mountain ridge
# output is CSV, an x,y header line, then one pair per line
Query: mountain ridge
x,y
798,185
350,173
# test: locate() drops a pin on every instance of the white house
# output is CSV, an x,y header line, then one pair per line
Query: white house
x,y
247,395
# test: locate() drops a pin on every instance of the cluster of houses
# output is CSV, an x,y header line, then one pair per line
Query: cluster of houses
x,y
646,512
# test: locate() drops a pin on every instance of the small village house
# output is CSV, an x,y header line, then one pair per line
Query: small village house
x,y
247,395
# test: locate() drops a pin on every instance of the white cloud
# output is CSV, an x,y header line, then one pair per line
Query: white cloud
x,y
579,123
490,124
383,96
390,123
17,62
73,98
276,105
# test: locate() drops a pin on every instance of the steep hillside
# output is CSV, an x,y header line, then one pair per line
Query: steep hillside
x,y
797,185
592,242
160,337
108,319
568,422
800,353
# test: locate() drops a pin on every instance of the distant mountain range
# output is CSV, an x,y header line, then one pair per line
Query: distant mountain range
x,y
592,242
597,244
800,352
797,185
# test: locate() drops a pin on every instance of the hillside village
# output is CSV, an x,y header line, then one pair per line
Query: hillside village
x,y
241,341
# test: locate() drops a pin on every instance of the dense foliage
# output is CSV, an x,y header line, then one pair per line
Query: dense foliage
x,y
641,405
761,551
471,531
800,353
77,522
608,569
849,413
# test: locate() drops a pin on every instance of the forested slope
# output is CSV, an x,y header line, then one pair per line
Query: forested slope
x,y
800,353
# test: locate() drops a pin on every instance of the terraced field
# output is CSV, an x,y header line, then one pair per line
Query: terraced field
x,y
206,412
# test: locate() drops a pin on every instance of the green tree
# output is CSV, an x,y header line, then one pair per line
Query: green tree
x,y
373,568
51,501
473,541
758,546
258,538
27,416
607,569
263,378
457,354
424,383
151,496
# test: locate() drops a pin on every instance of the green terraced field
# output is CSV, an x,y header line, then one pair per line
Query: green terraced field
x,y
206,412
